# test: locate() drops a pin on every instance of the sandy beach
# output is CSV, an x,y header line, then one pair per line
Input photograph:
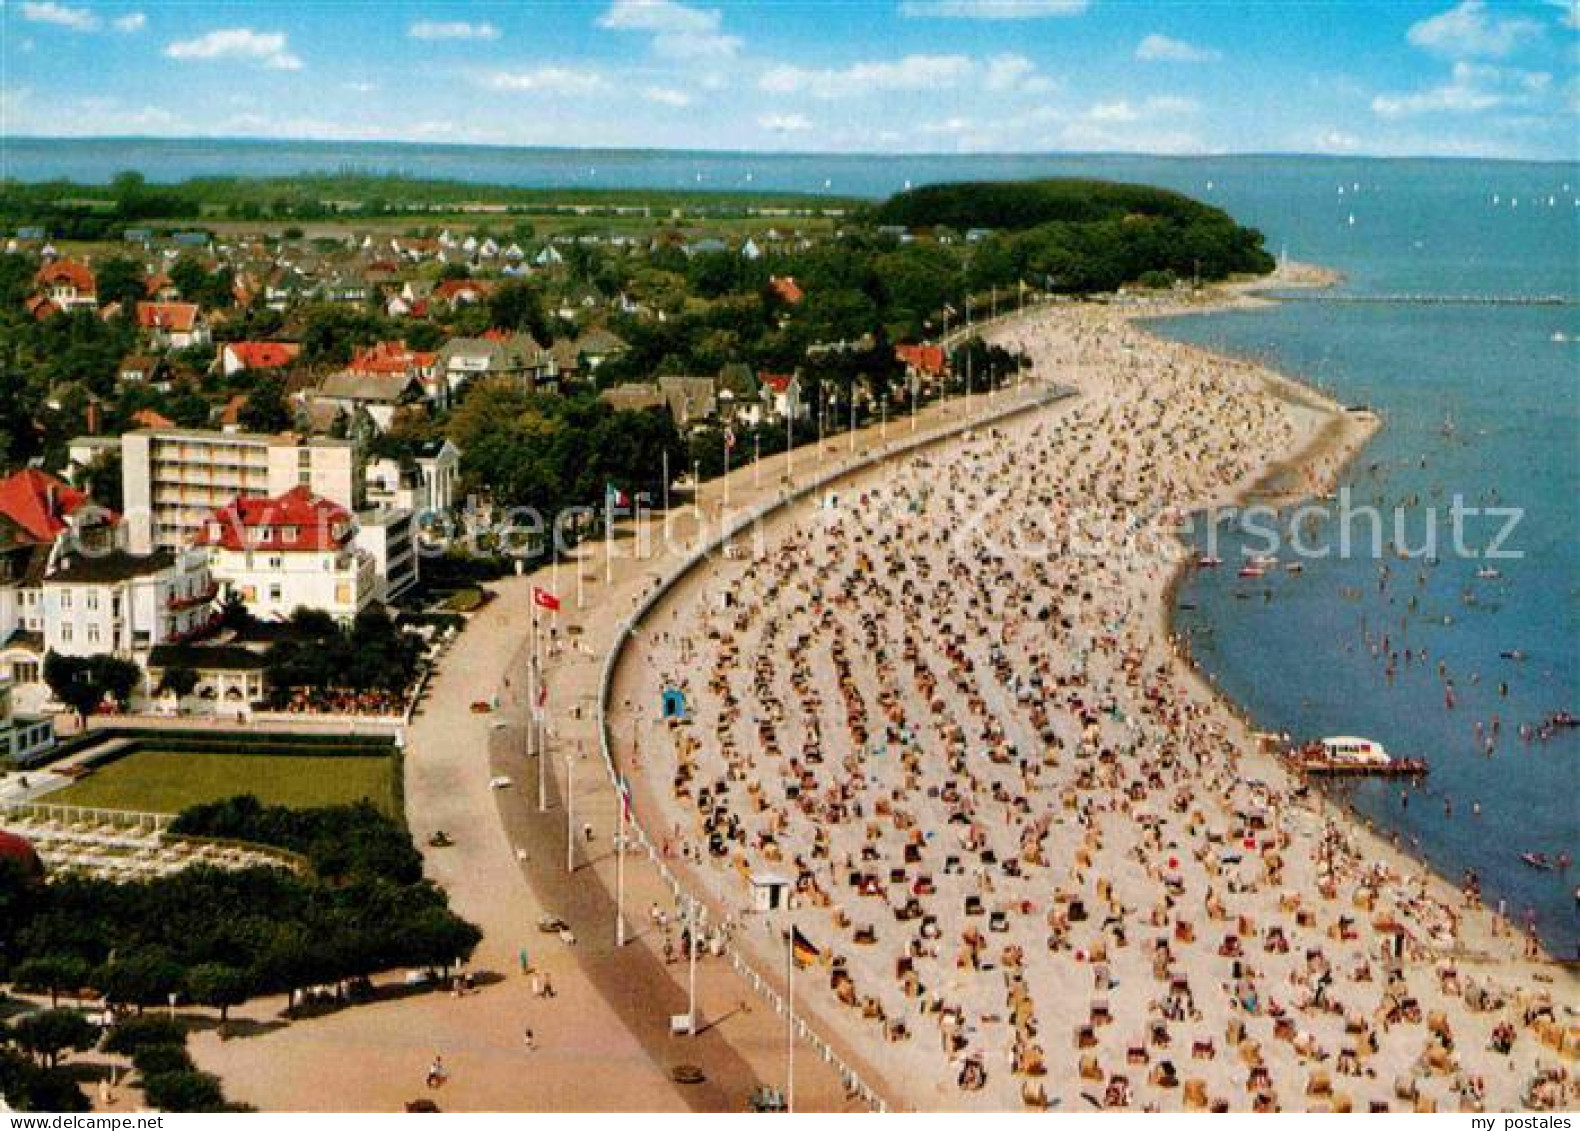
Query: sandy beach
x,y
1040,861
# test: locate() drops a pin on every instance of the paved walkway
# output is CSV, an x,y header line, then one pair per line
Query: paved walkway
x,y
603,1041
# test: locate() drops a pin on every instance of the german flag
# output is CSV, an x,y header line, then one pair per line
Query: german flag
x,y
801,949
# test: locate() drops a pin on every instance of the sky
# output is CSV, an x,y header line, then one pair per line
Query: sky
x,y
1492,78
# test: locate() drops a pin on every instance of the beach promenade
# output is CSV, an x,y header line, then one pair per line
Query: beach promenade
x,y
1146,830
507,870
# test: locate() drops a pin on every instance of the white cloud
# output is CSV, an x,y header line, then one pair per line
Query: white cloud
x,y
133,21
1571,12
991,9
1011,72
452,29
268,48
785,123
548,80
1164,49
361,87
667,96
1124,110
1471,89
912,72
679,31
1470,30
61,15
1337,141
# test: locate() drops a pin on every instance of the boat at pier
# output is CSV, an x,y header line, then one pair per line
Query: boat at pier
x,y
1346,755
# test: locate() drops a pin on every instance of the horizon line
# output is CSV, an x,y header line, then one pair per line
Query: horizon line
x,y
891,155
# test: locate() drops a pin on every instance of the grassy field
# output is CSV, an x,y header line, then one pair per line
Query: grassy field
x,y
155,781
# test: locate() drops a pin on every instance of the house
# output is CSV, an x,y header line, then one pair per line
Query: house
x,y
393,358
923,362
173,325
782,395
148,418
257,357
788,290
597,345
161,288
740,401
381,395
68,284
517,356
295,550
141,369
228,675
691,400
25,740
461,292
388,536
124,603
633,396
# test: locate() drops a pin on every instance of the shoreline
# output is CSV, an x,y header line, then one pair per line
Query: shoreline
x,y
1331,437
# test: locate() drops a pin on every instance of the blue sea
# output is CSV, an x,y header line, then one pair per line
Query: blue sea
x,y
1481,401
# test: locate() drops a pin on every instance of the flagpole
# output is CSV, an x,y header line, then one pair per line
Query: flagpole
x,y
619,870
790,1020
691,973
608,541
554,566
789,436
727,445
581,576
666,484
570,814
532,719
757,458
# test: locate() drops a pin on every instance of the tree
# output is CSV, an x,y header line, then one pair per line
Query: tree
x,y
184,1091
70,682
134,1033
265,409
178,681
143,978
53,973
51,1032
219,986
518,306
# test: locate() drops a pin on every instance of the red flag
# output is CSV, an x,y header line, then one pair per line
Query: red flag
x,y
729,438
543,599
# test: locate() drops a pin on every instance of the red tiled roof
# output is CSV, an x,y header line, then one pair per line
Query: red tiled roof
x,y
391,357
78,274
148,418
41,308
157,283
924,359
778,382
263,355
297,520
177,316
451,289
787,288
39,503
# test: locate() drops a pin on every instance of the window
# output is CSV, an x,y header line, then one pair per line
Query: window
x,y
65,633
93,634
65,598
93,601
274,592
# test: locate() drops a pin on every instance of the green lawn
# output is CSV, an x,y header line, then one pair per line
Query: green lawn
x,y
155,781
